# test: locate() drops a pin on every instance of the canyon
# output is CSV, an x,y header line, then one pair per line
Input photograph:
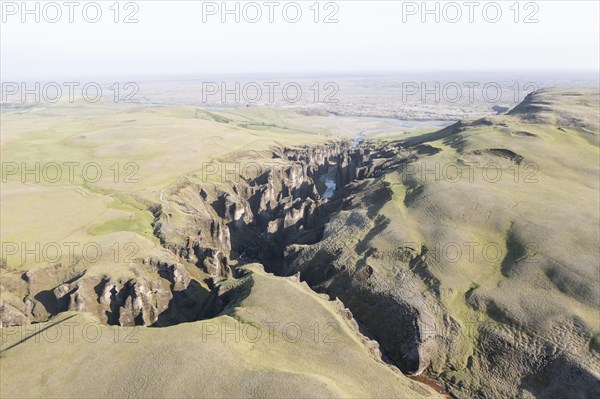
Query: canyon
x,y
225,225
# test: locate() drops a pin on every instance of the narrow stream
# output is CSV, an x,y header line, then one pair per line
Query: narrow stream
x,y
331,186
359,138
330,183
431,383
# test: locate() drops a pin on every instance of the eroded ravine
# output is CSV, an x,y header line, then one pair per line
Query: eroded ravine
x,y
220,227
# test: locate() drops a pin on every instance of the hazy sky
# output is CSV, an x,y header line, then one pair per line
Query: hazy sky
x,y
171,38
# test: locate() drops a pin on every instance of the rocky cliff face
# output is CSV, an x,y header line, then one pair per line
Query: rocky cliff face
x,y
160,293
257,218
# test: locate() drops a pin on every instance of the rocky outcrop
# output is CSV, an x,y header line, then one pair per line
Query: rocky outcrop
x,y
200,236
160,293
11,315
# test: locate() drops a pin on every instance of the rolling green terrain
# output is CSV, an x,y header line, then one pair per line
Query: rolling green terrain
x,y
469,254
483,246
